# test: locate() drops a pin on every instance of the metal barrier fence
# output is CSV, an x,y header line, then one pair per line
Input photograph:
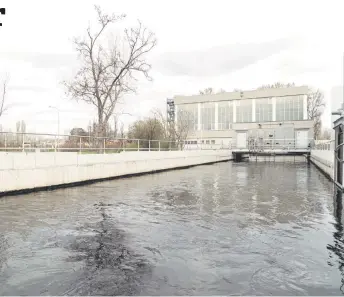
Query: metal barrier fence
x,y
37,142
261,144
325,146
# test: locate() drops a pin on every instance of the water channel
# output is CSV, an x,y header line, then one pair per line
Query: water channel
x,y
255,228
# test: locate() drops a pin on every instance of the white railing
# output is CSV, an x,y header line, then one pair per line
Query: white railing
x,y
38,142
325,146
261,145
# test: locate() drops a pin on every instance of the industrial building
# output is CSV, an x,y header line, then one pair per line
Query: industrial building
x,y
276,116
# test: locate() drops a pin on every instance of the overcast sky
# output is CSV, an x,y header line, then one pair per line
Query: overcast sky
x,y
219,44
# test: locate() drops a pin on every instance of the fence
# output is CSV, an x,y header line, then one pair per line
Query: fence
x,y
36,142
260,144
325,146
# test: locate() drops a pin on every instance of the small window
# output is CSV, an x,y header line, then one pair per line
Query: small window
x,y
213,142
202,141
207,142
194,142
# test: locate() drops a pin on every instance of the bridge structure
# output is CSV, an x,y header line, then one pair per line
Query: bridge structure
x,y
256,147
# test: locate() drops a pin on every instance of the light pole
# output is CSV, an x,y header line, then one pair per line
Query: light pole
x,y
58,123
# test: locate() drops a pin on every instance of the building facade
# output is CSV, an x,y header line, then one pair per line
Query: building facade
x,y
275,115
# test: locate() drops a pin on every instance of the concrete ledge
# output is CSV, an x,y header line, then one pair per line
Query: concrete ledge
x,y
59,171
324,161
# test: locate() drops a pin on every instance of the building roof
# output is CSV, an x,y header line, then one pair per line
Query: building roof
x,y
264,93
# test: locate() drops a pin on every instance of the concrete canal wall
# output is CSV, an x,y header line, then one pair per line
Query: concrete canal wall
x,y
30,171
324,160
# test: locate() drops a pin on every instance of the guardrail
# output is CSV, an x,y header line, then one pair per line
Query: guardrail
x,y
325,146
260,145
38,142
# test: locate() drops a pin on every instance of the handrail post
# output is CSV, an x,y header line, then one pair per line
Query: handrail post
x,y
138,145
80,145
5,142
159,145
23,141
149,146
55,143
104,145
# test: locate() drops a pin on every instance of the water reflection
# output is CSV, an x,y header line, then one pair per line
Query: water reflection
x,y
337,248
111,265
254,228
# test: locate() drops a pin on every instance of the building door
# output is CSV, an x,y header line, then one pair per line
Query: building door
x,y
302,139
241,140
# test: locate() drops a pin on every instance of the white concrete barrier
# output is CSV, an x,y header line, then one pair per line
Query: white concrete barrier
x,y
324,160
24,171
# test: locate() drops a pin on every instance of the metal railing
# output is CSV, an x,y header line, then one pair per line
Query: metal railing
x,y
261,145
325,146
38,142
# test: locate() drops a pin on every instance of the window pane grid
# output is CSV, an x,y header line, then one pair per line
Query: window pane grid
x,y
188,115
225,115
244,111
289,108
264,110
208,116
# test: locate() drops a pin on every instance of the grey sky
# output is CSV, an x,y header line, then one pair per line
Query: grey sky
x,y
219,44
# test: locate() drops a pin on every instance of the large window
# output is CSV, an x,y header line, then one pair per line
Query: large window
x,y
289,108
208,116
187,115
244,111
225,115
264,110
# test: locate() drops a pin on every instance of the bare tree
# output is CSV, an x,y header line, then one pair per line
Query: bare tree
x,y
23,127
18,131
121,131
3,95
210,91
326,134
115,126
178,131
315,109
166,127
276,85
206,91
107,73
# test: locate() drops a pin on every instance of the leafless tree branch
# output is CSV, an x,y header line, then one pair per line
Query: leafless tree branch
x,y
107,73
4,87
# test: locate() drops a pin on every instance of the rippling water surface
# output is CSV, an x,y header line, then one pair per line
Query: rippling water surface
x,y
232,228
